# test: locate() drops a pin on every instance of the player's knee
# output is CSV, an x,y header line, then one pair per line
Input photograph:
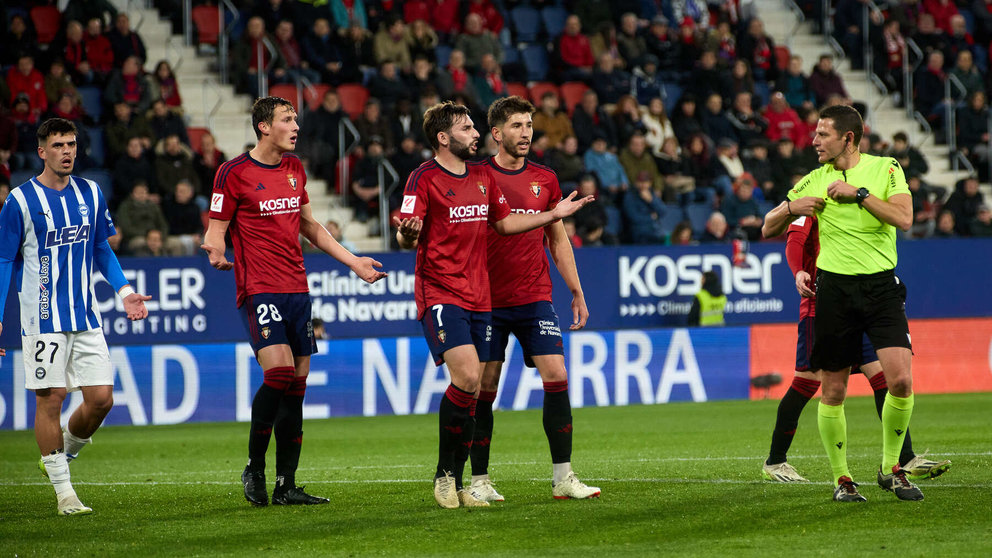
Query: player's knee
x,y
833,393
900,386
555,374
49,400
102,405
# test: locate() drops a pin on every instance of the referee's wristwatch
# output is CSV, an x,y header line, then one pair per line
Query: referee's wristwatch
x,y
862,195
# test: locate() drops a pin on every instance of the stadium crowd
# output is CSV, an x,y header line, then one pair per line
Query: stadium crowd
x,y
683,117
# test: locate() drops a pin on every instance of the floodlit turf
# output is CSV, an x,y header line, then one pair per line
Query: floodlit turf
x,y
679,479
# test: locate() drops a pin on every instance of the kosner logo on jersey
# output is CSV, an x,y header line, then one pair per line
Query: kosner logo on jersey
x,y
468,212
279,204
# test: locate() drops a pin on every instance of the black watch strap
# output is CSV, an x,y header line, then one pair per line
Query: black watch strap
x,y
862,195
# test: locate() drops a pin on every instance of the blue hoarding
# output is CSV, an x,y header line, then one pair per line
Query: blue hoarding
x,y
625,287
169,383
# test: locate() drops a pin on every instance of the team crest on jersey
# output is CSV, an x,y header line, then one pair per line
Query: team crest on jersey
x,y
292,181
266,332
84,210
40,373
482,188
535,189
441,335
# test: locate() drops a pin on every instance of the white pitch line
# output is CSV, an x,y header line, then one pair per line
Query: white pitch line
x,y
927,485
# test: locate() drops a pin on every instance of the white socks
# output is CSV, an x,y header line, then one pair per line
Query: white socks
x,y
72,444
58,472
476,478
560,471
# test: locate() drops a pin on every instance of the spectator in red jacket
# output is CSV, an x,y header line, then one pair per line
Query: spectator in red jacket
x,y
24,78
575,52
941,10
783,120
99,52
491,18
75,54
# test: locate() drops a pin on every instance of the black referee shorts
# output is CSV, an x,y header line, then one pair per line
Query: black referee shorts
x,y
849,306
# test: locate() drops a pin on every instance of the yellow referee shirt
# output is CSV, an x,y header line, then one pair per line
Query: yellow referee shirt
x,y
852,240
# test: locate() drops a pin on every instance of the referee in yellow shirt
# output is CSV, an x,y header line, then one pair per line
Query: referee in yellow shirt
x,y
859,200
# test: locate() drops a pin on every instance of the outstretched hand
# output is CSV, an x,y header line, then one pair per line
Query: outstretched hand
x,y
365,268
409,228
217,258
570,205
134,306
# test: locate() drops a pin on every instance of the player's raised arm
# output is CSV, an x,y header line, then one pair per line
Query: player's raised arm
x,y
214,245
516,223
364,267
779,218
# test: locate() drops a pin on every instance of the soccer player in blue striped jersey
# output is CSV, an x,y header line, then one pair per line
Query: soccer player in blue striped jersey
x,y
53,234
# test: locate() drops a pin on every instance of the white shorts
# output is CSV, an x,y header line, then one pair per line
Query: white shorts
x,y
68,360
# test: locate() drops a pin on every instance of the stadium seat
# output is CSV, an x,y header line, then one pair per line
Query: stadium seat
x,y
353,98
536,61
538,90
672,95
443,53
698,213
571,94
782,56
92,102
554,20
195,134
518,89
102,178
287,91
206,20
511,55
526,23
313,95
47,21
97,149
672,217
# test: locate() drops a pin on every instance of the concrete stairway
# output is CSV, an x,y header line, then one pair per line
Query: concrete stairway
x,y
209,104
886,120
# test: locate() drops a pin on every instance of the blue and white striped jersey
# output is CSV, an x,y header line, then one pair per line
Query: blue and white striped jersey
x,y
50,236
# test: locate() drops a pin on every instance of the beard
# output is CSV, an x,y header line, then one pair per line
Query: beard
x,y
514,149
463,151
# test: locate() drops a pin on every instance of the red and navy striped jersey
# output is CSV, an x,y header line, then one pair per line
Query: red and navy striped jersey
x,y
802,248
263,204
451,253
518,266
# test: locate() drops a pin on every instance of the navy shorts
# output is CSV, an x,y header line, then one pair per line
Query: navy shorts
x,y
279,319
535,326
804,347
447,326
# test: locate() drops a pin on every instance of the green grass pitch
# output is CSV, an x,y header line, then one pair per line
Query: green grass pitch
x,y
677,479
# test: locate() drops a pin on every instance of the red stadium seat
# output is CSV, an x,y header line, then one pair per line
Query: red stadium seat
x,y
518,89
47,21
195,133
540,88
782,56
287,91
207,22
313,96
353,98
571,94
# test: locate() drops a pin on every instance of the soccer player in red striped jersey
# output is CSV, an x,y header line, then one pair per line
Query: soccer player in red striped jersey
x,y
520,283
447,205
261,199
801,249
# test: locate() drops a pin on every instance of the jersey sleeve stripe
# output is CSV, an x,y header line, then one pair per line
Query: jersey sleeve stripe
x,y
411,183
226,168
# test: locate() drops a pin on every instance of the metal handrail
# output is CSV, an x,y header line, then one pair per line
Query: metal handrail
x,y
210,84
141,14
170,47
800,20
909,69
883,94
927,129
828,20
345,151
384,193
188,22
959,160
950,110
301,83
263,71
222,41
